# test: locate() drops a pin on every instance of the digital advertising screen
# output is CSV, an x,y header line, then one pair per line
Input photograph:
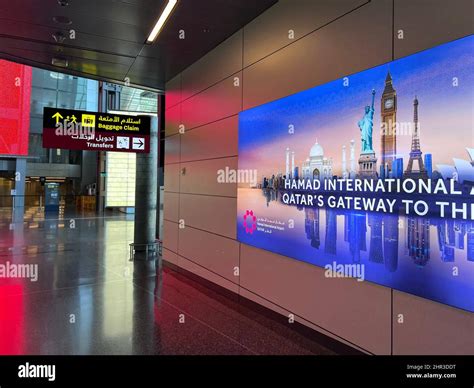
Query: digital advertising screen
x,y
370,176
15,94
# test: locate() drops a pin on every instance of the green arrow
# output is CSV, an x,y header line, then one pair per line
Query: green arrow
x,y
57,116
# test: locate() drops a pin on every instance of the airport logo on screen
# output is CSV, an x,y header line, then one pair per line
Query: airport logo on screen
x,y
372,174
79,130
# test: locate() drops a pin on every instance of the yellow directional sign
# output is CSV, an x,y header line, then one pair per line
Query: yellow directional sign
x,y
95,131
57,116
88,120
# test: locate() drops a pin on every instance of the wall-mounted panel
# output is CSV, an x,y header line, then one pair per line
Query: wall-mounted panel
x,y
220,63
278,309
170,257
172,149
356,42
212,177
206,274
214,214
423,24
172,175
219,101
173,120
170,236
215,140
356,311
171,206
173,92
216,253
421,326
287,21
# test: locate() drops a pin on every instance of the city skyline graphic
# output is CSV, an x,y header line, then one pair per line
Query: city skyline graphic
x,y
441,79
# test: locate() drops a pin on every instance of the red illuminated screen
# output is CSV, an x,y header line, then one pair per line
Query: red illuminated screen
x,y
15,91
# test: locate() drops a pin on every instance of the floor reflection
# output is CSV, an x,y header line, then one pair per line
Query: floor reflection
x,y
86,300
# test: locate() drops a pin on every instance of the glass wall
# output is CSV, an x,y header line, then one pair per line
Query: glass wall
x,y
57,90
138,100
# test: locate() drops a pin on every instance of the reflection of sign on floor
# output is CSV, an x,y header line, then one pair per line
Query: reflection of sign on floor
x,y
138,143
123,142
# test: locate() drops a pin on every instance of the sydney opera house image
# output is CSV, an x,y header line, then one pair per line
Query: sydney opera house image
x,y
463,169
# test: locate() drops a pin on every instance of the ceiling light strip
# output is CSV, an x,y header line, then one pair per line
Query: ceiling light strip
x,y
162,20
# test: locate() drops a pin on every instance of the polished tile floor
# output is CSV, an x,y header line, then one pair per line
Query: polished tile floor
x,y
86,301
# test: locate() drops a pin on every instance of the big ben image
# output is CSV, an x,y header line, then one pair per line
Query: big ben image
x,y
388,126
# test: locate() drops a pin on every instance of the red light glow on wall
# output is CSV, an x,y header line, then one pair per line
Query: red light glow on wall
x,y
15,93
11,319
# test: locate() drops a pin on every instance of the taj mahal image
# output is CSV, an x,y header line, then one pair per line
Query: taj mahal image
x,y
316,166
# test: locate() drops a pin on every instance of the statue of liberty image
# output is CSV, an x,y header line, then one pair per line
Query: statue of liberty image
x,y
366,125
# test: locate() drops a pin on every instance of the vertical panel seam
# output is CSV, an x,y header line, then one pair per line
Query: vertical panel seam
x,y
391,290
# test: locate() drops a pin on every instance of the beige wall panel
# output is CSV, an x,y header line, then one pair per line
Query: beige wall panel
x,y
220,63
215,140
213,214
356,311
212,177
215,253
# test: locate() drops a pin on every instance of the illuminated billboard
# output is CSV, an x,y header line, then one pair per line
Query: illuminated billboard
x,y
370,176
15,94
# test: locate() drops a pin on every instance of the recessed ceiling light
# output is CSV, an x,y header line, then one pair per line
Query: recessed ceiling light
x,y
162,20
62,20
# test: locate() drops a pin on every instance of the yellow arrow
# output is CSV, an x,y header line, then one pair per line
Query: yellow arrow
x,y
57,116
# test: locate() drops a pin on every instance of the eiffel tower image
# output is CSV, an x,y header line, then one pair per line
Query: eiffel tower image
x,y
415,154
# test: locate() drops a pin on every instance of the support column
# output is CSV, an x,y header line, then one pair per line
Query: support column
x,y
146,203
161,165
18,209
19,197
109,99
